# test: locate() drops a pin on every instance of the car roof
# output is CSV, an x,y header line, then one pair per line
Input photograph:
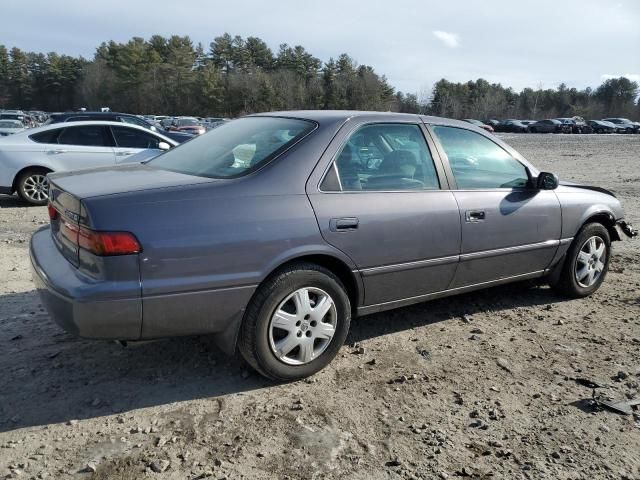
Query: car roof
x,y
70,114
54,126
334,116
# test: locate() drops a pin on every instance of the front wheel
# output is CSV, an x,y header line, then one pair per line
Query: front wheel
x,y
33,187
296,323
586,263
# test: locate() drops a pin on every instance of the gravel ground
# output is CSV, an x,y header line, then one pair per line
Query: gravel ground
x,y
480,385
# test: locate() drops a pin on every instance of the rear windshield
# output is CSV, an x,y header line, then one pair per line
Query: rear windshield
x,y
235,148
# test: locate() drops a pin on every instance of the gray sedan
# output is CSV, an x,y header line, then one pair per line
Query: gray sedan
x,y
273,230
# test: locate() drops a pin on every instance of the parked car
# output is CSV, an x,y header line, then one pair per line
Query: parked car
x,y
478,123
513,126
600,126
116,117
271,231
9,127
21,117
549,126
187,124
492,122
624,125
576,124
27,157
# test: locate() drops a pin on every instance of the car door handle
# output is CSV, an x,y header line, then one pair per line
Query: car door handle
x,y
122,154
56,152
473,216
343,224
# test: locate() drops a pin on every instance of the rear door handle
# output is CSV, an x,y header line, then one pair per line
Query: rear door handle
x,y
122,154
473,216
343,224
56,152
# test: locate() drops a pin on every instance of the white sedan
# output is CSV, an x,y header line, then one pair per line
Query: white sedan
x,y
27,157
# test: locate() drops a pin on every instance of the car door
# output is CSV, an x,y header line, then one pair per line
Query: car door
x,y
384,201
130,140
508,229
82,146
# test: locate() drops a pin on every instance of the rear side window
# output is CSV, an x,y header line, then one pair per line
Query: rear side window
x,y
479,163
235,148
132,138
385,157
87,135
49,136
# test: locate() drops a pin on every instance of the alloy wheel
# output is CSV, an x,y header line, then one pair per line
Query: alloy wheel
x,y
36,187
591,261
303,326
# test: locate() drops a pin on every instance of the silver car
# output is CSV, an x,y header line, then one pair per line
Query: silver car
x,y
27,157
273,230
9,127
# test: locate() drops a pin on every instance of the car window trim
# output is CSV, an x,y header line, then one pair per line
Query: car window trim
x,y
342,140
454,184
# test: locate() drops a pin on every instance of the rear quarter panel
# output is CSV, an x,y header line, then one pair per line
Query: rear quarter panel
x,y
206,248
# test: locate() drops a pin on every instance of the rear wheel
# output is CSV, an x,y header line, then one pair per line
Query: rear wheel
x,y
586,263
296,323
33,186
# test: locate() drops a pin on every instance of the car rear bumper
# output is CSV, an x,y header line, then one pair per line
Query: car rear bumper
x,y
76,301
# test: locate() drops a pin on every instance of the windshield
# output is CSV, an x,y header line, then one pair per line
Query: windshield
x,y
235,148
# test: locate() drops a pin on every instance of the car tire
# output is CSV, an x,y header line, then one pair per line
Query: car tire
x,y
533,130
268,329
581,260
32,186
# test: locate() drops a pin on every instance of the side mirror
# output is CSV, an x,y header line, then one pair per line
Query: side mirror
x,y
547,181
164,146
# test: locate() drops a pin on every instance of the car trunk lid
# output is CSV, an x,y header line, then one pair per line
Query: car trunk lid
x,y
111,180
68,213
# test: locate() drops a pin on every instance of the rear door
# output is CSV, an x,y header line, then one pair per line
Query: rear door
x,y
129,141
384,202
83,146
508,228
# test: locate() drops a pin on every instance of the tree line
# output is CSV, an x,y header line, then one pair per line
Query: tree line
x,y
236,76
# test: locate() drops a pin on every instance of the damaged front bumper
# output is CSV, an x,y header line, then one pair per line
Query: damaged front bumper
x,y
625,228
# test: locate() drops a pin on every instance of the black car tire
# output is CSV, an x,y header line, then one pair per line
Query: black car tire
x,y
253,341
533,130
567,283
21,186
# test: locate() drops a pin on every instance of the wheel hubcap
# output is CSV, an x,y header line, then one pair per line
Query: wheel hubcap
x,y
36,187
591,260
303,326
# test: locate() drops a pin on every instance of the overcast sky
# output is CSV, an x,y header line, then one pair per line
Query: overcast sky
x,y
413,42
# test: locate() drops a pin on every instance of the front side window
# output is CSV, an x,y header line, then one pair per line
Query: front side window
x,y
479,163
133,138
386,157
87,135
235,148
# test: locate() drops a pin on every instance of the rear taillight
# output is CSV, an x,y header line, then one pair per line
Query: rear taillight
x,y
53,213
108,243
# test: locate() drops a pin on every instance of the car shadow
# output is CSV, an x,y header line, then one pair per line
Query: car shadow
x,y
50,376
13,201
504,297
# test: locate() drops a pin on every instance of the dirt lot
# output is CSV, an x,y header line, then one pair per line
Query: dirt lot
x,y
476,386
